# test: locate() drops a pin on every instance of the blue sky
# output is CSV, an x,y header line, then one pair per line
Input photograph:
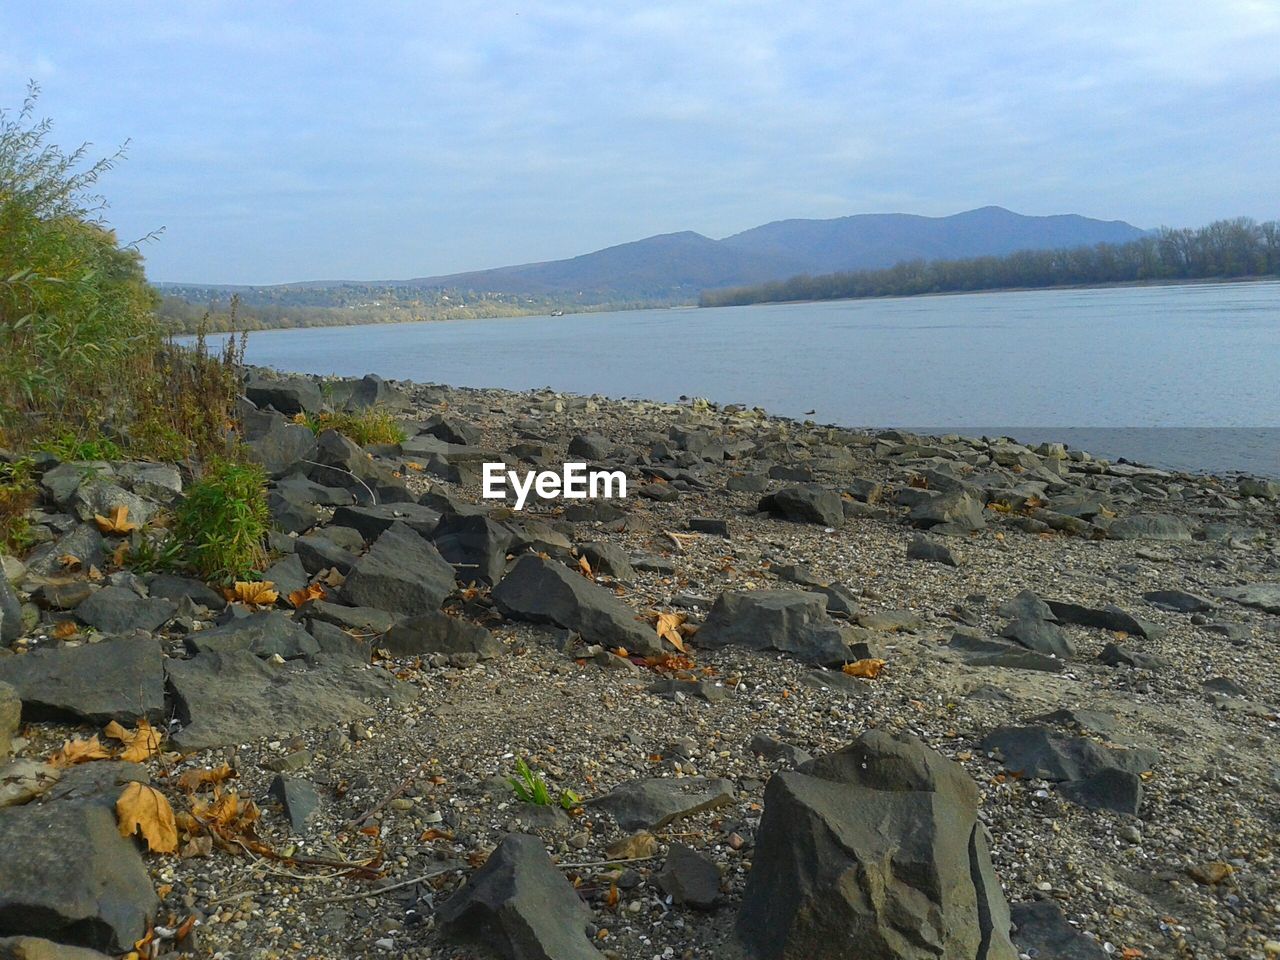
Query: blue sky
x,y
290,141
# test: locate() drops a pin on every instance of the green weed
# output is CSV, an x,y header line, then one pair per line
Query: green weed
x,y
223,521
373,425
530,787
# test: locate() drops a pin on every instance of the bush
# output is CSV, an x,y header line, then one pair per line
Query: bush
x,y
17,494
373,425
223,520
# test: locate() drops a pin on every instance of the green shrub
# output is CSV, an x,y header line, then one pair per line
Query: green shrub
x,y
223,520
66,445
374,425
17,494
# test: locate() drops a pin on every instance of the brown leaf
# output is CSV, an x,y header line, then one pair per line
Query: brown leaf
x,y
305,595
65,630
193,780
118,524
255,593
197,847
143,808
868,669
140,744
638,846
69,561
79,751
669,629
584,567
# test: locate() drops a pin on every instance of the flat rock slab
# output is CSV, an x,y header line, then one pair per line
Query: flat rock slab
x,y
543,591
1038,752
265,634
520,906
1042,927
437,632
1109,617
373,521
1261,596
806,503
1151,526
653,803
402,573
690,878
232,698
791,621
37,948
114,680
69,876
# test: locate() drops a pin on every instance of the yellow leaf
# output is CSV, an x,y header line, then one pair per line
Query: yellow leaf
x,y
255,593
143,808
669,629
65,630
79,751
140,744
585,567
314,592
868,669
193,780
118,524
69,561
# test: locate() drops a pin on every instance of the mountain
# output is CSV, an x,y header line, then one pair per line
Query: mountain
x,y
677,266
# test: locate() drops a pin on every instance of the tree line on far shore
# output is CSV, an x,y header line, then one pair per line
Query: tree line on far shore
x,y
1225,249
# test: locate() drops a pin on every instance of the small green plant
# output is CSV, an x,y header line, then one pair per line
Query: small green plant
x,y
530,787
152,552
373,425
67,446
223,521
17,494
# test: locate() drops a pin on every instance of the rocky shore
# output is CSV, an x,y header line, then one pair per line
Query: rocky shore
x,y
806,692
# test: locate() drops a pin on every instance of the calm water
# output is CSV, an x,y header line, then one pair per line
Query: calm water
x,y
1101,361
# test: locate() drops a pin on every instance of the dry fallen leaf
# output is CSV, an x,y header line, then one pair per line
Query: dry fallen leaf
x,y
255,593
668,627
79,751
65,630
584,567
305,595
143,808
638,846
193,780
140,744
868,669
69,561
197,847
118,524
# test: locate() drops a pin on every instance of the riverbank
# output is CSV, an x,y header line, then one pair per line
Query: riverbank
x,y
1118,722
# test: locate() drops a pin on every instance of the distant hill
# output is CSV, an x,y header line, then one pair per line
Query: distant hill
x,y
676,266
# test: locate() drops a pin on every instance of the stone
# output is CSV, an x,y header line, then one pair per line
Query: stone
x,y
673,688
119,679
791,621
452,429
317,553
10,716
805,503
544,591
651,804
1261,596
1041,927
101,497
773,749
927,548
1109,617
590,447
608,558
68,875
980,651
232,698
170,587
290,516
476,546
83,542
1041,636
287,575
299,489
289,396
1026,606
520,906
956,512
1149,527
1258,487
22,780
874,851
437,632
361,620
299,799
714,526
402,573
1083,720
374,521
116,610
1125,655
689,878
268,633
99,782
1109,789
37,948
10,613
1037,752
336,642
276,444
1177,601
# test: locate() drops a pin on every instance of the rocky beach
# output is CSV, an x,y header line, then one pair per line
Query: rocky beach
x,y
806,692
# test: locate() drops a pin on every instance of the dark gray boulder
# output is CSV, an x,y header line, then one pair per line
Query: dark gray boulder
x,y
1042,928
949,513
1149,527
979,651
1261,596
1026,606
317,553
689,878
1126,655
476,546
373,521
652,803
402,573
265,634
934,551
10,612
287,574
792,621
299,799
1109,617
170,587
1042,636
590,447
1109,789
805,503
1038,752
118,610
69,876
119,679
452,429
1177,601
37,948
275,443
520,906
437,632
874,851
289,396
83,542
543,591
608,558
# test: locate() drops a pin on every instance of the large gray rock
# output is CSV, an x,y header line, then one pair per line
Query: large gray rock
x,y
290,396
373,521
1042,927
1150,526
1109,617
875,852
37,948
83,542
956,512
101,497
475,545
275,443
981,651
519,905
265,634
232,698
1262,596
1042,636
69,876
402,573
437,632
170,587
1038,752
114,680
792,621
653,803
543,591
10,613
806,503
119,610
690,878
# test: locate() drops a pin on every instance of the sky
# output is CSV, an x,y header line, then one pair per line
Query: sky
x,y
277,142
